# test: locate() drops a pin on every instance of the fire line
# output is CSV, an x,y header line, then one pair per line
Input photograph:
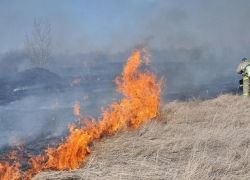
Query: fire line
x,y
140,103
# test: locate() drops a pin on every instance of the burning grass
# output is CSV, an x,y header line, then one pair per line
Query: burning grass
x,y
191,140
140,103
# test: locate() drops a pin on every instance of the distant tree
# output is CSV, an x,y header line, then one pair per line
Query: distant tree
x,y
13,61
39,45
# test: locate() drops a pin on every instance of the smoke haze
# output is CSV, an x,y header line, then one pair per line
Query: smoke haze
x,y
195,45
215,27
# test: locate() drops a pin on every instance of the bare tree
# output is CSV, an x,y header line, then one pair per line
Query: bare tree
x,y
39,46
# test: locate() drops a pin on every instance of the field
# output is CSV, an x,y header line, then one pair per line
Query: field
x,y
37,106
191,140
124,90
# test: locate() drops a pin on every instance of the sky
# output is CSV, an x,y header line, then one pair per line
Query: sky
x,y
218,27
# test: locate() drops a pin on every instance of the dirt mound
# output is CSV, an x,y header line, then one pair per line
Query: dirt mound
x,y
192,140
36,76
26,83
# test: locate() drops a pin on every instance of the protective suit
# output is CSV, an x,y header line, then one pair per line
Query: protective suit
x,y
242,70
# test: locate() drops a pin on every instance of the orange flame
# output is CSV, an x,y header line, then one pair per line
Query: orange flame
x,y
77,81
77,108
140,103
8,171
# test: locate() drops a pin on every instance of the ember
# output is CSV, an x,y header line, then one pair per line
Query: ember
x,y
140,103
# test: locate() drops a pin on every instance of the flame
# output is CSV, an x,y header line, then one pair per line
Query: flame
x,y
77,108
77,81
8,171
140,103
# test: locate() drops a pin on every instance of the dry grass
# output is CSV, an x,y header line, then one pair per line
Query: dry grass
x,y
192,140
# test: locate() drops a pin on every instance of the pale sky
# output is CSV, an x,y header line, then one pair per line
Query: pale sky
x,y
117,25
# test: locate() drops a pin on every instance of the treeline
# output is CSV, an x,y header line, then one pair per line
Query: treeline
x,y
40,50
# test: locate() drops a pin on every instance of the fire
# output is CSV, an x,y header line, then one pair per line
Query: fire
x,y
77,81
77,108
8,171
140,103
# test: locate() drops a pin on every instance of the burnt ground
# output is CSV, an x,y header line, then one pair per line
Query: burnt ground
x,y
36,105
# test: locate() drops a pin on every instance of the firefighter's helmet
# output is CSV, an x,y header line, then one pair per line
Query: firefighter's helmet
x,y
244,59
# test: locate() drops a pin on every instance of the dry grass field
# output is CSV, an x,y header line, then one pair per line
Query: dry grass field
x,y
191,141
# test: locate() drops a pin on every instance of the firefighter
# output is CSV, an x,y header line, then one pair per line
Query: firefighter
x,y
242,70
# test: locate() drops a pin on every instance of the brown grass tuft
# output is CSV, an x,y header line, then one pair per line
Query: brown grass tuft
x,y
191,140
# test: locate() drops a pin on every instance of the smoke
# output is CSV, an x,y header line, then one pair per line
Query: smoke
x,y
84,26
38,103
191,43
